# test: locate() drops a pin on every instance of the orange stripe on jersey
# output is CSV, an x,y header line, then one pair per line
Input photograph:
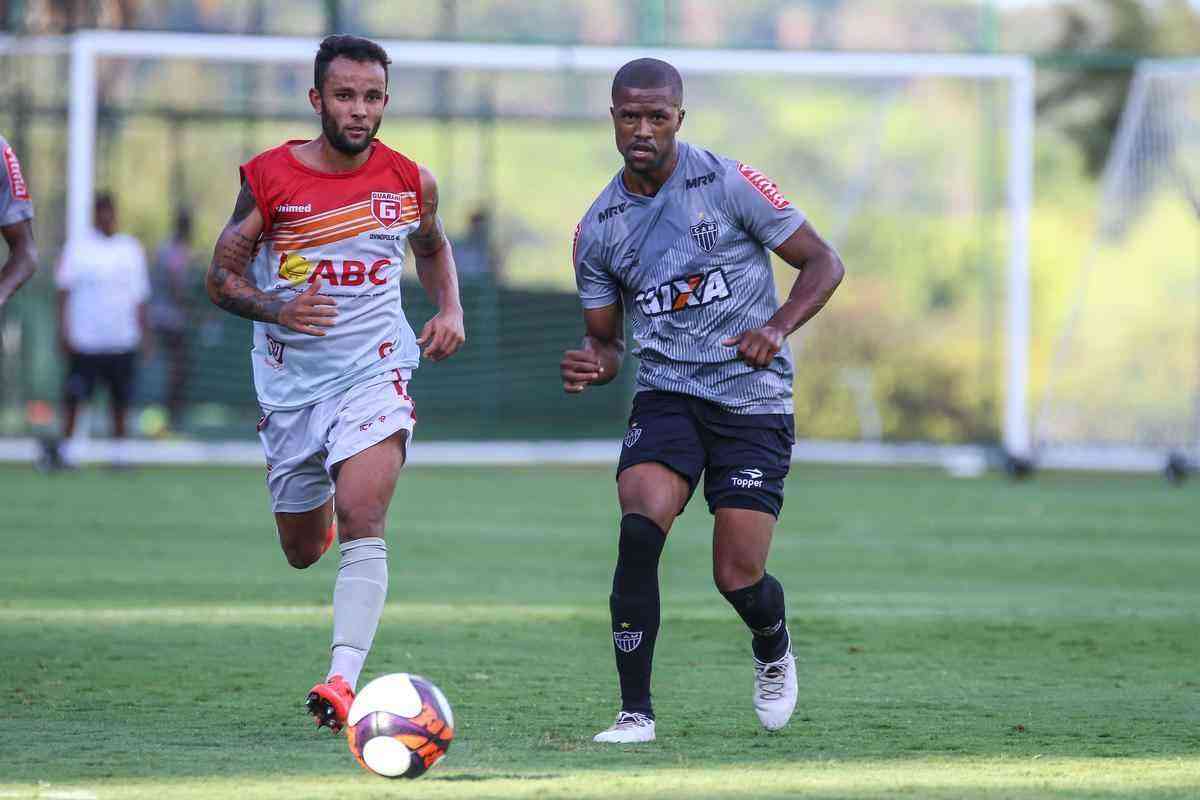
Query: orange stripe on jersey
x,y
310,224
323,230
316,241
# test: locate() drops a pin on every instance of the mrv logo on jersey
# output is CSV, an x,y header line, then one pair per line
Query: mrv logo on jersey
x,y
677,295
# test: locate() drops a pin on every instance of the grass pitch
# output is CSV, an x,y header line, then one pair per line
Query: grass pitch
x,y
957,639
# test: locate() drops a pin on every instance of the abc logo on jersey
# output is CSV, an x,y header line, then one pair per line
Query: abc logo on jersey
x,y
684,293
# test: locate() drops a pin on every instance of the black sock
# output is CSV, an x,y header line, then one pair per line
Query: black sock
x,y
761,607
635,609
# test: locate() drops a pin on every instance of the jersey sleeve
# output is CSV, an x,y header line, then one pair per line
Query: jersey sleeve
x,y
15,203
597,288
759,207
253,174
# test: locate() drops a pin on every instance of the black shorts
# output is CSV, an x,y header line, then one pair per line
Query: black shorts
x,y
116,370
744,457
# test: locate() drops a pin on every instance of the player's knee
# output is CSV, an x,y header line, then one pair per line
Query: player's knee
x,y
301,557
361,520
736,573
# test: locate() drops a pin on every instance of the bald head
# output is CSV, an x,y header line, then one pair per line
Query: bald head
x,y
649,73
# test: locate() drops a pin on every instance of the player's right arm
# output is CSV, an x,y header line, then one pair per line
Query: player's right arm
x,y
229,288
22,258
598,360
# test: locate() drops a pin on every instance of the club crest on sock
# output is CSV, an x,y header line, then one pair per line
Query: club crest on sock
x,y
627,641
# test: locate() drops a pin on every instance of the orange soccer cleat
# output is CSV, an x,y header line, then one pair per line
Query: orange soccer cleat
x,y
329,703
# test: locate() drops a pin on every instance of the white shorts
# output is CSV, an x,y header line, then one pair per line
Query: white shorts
x,y
303,445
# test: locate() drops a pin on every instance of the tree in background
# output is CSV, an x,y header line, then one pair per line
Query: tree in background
x,y
1100,43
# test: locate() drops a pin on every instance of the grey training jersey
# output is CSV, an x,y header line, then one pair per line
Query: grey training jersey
x,y
693,267
15,205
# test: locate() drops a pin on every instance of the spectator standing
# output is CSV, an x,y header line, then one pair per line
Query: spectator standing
x,y
102,291
170,282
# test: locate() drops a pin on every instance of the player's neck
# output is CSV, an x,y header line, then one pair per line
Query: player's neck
x,y
324,157
648,183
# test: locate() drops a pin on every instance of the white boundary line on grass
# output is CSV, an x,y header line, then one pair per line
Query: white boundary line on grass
x,y
967,459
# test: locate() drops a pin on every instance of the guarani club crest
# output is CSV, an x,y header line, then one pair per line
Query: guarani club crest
x,y
392,208
705,234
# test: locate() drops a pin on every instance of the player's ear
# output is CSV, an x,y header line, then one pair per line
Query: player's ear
x,y
679,124
386,97
314,98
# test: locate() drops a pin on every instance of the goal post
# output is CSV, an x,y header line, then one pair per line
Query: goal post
x,y
1123,387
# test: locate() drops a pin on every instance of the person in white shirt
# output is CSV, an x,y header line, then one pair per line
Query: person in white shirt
x,y
103,286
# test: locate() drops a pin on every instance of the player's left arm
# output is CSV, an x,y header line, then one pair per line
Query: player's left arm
x,y
22,258
444,334
821,271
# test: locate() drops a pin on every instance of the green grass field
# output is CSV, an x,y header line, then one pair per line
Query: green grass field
x,y
957,639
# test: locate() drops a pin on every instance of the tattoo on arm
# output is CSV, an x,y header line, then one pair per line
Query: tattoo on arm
x,y
244,205
227,284
430,237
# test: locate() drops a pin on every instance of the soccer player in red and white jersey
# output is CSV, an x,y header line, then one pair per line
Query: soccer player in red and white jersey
x,y
16,224
313,254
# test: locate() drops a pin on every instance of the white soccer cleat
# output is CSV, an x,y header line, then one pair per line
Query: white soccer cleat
x,y
775,690
630,728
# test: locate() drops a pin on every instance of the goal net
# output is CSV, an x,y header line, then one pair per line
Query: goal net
x,y
1123,387
918,168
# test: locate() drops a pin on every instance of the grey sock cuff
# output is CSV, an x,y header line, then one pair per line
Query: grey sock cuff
x,y
357,551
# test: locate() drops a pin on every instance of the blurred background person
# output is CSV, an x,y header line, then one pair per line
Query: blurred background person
x,y
102,291
170,281
16,225
479,259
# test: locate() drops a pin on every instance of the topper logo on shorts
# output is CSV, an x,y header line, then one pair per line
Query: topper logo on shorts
x,y
20,189
627,641
765,186
690,292
392,208
752,480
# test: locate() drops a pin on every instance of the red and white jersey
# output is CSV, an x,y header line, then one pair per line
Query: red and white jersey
x,y
349,231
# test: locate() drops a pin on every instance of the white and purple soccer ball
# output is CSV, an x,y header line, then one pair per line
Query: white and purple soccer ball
x,y
399,726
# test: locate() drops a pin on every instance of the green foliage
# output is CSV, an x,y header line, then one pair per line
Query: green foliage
x,y
956,640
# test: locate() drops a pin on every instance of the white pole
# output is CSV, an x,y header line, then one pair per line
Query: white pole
x,y
81,136
1020,201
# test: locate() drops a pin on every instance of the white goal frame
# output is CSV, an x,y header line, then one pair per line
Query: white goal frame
x,y
87,47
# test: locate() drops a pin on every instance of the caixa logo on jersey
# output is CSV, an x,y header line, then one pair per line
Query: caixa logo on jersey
x,y
392,208
678,295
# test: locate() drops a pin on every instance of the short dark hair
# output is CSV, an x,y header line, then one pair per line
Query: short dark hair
x,y
355,48
649,73
104,199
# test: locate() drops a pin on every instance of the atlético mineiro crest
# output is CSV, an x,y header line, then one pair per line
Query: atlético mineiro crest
x,y
392,208
627,641
705,234
631,438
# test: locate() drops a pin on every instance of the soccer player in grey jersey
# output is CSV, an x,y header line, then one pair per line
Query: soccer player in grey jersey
x,y
680,241
16,224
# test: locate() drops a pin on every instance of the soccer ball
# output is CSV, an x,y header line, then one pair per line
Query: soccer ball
x,y
399,726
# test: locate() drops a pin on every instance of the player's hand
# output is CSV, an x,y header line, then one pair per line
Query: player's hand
x,y
309,312
580,367
443,335
758,346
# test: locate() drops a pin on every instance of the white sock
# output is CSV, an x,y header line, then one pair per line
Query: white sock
x,y
358,596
